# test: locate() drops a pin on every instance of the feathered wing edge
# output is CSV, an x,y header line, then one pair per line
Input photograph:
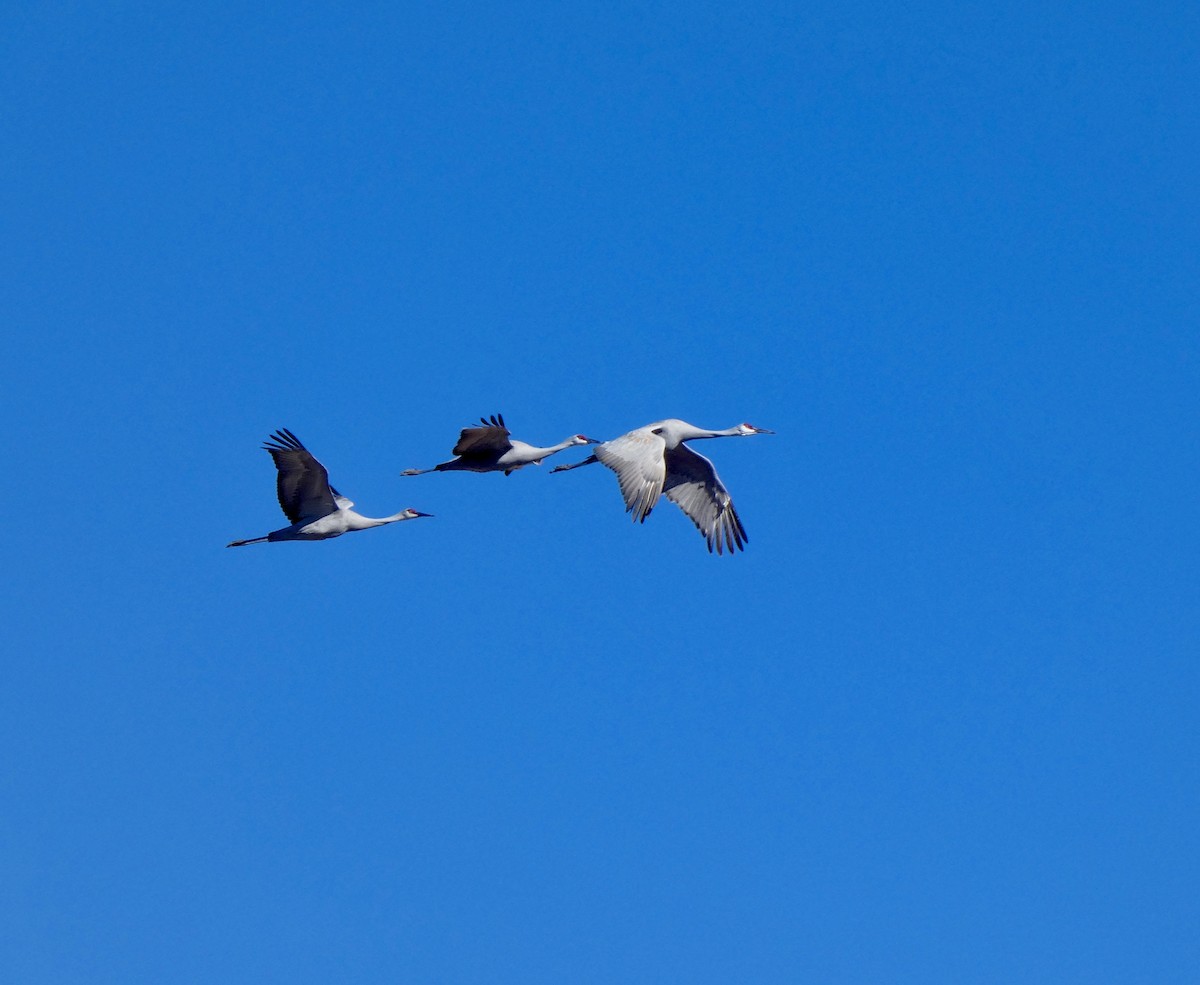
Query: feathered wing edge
x,y
637,459
485,441
693,485
302,485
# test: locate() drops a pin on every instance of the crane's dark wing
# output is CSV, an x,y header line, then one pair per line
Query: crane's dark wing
x,y
302,484
487,442
693,485
637,458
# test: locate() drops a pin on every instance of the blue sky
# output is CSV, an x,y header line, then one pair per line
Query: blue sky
x,y
937,724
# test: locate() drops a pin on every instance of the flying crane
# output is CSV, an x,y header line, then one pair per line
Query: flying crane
x,y
490,448
653,461
316,509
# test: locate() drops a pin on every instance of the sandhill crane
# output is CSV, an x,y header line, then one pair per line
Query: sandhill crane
x,y
653,460
316,509
490,449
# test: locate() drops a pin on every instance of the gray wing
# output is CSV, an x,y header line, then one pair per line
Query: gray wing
x,y
693,485
487,442
637,458
302,484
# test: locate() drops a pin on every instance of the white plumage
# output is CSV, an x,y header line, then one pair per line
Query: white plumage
x,y
491,448
652,461
316,509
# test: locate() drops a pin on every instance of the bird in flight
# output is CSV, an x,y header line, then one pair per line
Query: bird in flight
x,y
653,461
490,448
316,509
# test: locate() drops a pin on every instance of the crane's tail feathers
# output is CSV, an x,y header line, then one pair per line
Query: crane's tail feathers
x,y
565,468
252,540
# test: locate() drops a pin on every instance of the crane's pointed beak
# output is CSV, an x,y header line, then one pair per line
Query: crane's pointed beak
x,y
417,513
763,431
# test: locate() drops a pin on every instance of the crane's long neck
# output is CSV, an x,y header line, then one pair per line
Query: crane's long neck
x,y
561,446
532,453
697,433
356,521
402,515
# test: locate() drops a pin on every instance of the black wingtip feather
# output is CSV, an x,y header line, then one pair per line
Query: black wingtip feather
x,y
283,440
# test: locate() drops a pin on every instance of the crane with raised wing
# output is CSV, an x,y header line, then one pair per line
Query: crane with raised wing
x,y
653,461
317,511
490,447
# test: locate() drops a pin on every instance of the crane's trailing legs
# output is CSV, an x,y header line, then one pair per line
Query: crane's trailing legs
x,y
566,468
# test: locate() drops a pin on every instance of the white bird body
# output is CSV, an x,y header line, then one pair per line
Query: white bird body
x,y
339,522
316,509
491,448
653,461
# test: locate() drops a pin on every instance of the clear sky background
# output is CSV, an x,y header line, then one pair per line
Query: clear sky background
x,y
937,724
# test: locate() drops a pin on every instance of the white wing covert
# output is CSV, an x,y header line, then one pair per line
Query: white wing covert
x,y
637,458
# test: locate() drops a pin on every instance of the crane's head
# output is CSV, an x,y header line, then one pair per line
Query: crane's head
x,y
411,514
751,429
583,439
